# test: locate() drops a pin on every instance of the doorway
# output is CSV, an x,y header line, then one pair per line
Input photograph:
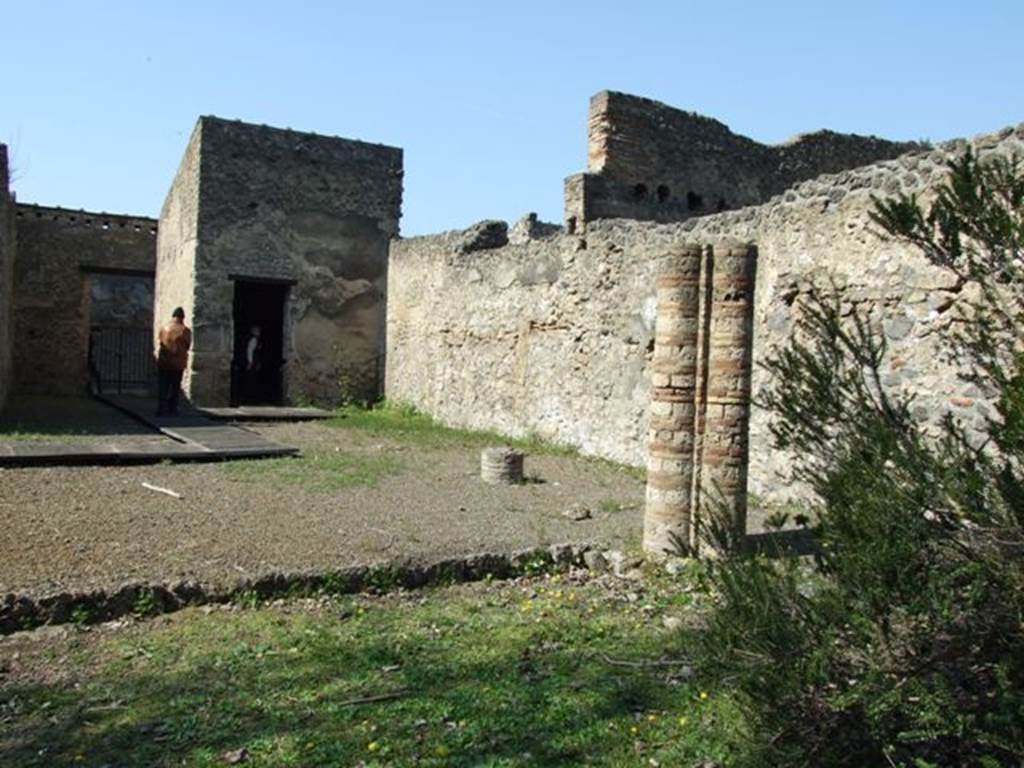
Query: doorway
x,y
120,347
257,366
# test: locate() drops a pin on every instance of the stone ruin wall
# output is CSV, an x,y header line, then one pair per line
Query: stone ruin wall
x,y
554,336
57,250
650,161
549,335
820,231
7,247
315,212
176,243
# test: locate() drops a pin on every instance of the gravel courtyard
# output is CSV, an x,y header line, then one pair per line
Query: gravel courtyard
x,y
355,497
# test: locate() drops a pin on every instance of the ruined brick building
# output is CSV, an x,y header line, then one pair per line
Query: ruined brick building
x,y
261,226
534,328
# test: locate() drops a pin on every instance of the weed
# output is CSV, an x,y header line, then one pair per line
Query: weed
x,y
611,505
145,603
334,583
249,599
81,616
537,565
385,578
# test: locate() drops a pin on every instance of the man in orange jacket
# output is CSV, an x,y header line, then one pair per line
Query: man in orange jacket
x,y
175,340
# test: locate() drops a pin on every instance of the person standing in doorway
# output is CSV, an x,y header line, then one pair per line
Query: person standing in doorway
x,y
253,364
175,339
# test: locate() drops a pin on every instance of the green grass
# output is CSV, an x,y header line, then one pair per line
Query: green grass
x,y
541,673
317,470
405,424
611,506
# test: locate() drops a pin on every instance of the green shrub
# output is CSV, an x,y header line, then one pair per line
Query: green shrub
x,y
903,645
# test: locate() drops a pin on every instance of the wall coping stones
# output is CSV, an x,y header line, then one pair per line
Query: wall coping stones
x,y
84,218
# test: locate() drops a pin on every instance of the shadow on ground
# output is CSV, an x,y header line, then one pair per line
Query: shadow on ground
x,y
48,418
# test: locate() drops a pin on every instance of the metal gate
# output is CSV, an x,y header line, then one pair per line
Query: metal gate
x,y
121,359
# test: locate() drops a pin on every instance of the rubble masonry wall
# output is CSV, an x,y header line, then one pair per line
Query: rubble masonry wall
x,y
57,250
275,205
554,335
650,161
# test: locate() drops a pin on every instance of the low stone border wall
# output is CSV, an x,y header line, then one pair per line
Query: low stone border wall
x,y
22,612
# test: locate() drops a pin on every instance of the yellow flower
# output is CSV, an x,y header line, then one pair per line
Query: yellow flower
x,y
651,718
704,695
633,729
682,722
373,746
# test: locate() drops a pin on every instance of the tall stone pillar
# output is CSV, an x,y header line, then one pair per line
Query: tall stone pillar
x,y
724,443
670,458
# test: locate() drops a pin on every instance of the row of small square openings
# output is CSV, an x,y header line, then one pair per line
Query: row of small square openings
x,y
104,224
694,202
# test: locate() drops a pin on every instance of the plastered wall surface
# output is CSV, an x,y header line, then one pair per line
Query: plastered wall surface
x,y
177,242
276,205
550,336
553,336
58,248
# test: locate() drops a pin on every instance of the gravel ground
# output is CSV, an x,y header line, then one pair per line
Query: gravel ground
x,y
81,528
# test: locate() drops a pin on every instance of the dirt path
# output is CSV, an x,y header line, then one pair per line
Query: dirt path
x,y
352,499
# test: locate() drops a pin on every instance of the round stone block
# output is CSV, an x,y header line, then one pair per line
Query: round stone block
x,y
501,465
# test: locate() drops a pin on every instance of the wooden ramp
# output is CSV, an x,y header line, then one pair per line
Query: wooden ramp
x,y
28,454
265,413
189,437
198,433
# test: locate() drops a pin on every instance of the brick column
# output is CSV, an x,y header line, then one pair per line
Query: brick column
x,y
670,458
725,440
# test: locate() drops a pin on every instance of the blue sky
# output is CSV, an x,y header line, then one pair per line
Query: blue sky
x,y
489,100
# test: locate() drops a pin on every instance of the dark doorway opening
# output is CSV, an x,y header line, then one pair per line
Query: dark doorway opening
x,y
258,361
120,348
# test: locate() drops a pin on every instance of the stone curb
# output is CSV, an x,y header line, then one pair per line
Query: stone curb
x,y
22,612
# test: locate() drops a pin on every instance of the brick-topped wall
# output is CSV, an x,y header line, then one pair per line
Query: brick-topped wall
x,y
57,249
647,160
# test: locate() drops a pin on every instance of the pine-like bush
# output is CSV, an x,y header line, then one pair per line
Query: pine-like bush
x,y
903,643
